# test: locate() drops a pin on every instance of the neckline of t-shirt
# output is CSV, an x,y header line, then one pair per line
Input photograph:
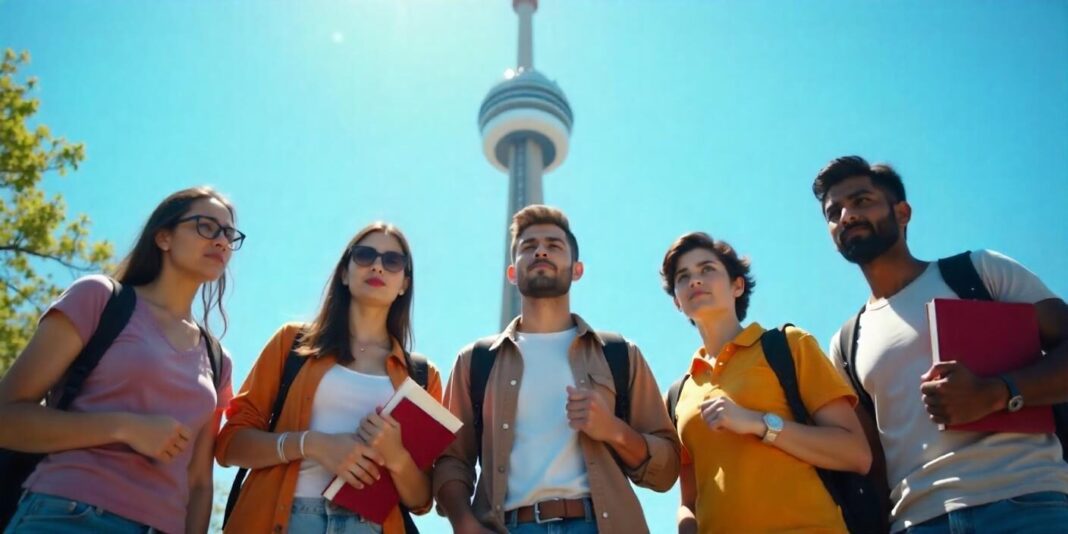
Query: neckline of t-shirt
x,y
358,373
881,303
548,336
142,307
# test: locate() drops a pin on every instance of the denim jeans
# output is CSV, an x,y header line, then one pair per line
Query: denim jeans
x,y
1035,513
46,514
578,525
314,515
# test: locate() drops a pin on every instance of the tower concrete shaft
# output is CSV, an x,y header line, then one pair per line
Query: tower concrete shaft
x,y
525,167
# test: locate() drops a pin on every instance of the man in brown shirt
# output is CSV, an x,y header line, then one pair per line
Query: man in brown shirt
x,y
552,448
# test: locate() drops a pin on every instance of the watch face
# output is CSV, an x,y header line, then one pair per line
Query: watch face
x,y
773,421
1016,403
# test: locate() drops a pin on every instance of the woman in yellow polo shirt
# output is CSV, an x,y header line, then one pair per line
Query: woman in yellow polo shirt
x,y
747,466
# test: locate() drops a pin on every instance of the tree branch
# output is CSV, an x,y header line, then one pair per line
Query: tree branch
x,y
21,250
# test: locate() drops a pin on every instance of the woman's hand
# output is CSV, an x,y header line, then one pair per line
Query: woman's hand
x,y
345,456
383,433
159,437
724,413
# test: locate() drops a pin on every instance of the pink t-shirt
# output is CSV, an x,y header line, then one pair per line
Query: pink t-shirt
x,y
140,373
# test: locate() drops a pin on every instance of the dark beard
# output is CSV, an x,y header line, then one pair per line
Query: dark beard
x,y
541,286
880,238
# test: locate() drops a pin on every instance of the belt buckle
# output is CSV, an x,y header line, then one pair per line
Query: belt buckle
x,y
537,514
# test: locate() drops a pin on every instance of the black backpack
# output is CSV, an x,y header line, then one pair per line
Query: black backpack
x,y
853,493
616,354
419,371
960,275
16,467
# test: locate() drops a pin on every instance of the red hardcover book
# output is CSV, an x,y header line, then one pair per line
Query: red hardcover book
x,y
990,338
427,428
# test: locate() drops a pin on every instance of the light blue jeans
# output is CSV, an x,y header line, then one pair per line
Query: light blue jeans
x,y
578,525
1035,513
314,515
46,514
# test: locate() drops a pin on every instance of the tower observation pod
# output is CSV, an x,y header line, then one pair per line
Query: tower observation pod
x,y
525,121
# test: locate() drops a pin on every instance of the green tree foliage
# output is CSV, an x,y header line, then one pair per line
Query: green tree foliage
x,y
35,233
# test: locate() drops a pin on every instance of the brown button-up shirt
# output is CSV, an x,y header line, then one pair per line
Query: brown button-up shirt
x,y
614,502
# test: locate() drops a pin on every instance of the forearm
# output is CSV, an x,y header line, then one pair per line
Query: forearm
x,y
253,448
828,447
1041,384
629,445
198,512
412,484
31,427
455,498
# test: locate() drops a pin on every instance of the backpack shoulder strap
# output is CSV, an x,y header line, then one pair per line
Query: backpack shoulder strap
x,y
672,400
482,360
113,319
419,369
215,356
777,351
617,354
847,346
961,276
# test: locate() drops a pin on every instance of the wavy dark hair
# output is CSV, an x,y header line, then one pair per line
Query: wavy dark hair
x,y
145,262
329,332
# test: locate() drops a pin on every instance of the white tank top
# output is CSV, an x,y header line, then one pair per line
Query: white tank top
x,y
343,399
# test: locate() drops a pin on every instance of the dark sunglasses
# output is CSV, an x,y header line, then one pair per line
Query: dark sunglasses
x,y
393,262
210,228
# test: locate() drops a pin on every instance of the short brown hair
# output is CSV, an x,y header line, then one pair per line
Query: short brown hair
x,y
542,214
735,265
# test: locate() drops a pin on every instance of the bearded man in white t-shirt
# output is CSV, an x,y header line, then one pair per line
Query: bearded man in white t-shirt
x,y
943,481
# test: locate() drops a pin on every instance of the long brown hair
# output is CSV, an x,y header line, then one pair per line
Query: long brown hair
x,y
329,332
145,262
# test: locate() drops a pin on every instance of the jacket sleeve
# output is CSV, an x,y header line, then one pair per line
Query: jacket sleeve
x,y
458,460
649,417
251,407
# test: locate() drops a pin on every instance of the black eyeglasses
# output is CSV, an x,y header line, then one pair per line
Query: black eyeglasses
x,y
209,228
393,262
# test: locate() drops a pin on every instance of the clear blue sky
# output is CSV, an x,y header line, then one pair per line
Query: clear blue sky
x,y
318,117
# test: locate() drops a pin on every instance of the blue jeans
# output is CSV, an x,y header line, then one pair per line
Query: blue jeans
x,y
314,515
46,514
1035,513
578,525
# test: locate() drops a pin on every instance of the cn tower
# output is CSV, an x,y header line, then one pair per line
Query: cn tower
x,y
525,122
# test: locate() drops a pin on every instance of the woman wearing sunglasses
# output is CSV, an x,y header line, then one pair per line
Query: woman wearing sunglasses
x,y
134,451
357,355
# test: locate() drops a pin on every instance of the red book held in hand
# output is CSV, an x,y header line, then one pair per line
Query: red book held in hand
x,y
427,428
990,339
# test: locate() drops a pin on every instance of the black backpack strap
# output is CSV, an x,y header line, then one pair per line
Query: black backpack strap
x,y
294,362
113,319
781,360
847,346
215,355
672,400
617,354
961,276
482,360
418,369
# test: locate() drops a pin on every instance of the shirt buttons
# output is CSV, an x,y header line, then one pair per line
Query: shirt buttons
x,y
513,382
500,469
505,426
605,515
498,507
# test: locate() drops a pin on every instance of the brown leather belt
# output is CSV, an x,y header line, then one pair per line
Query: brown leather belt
x,y
553,510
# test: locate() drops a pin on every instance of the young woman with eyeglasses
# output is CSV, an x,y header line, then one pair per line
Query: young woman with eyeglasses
x,y
357,349
134,451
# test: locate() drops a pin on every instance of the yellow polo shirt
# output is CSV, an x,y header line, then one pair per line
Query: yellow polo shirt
x,y
743,484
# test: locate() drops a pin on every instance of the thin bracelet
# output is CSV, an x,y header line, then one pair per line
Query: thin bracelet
x,y
279,447
302,436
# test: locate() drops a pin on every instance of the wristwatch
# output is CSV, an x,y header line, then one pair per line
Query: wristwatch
x,y
773,424
1016,400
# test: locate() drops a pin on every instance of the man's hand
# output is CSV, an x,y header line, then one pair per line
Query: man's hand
x,y
953,395
589,413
